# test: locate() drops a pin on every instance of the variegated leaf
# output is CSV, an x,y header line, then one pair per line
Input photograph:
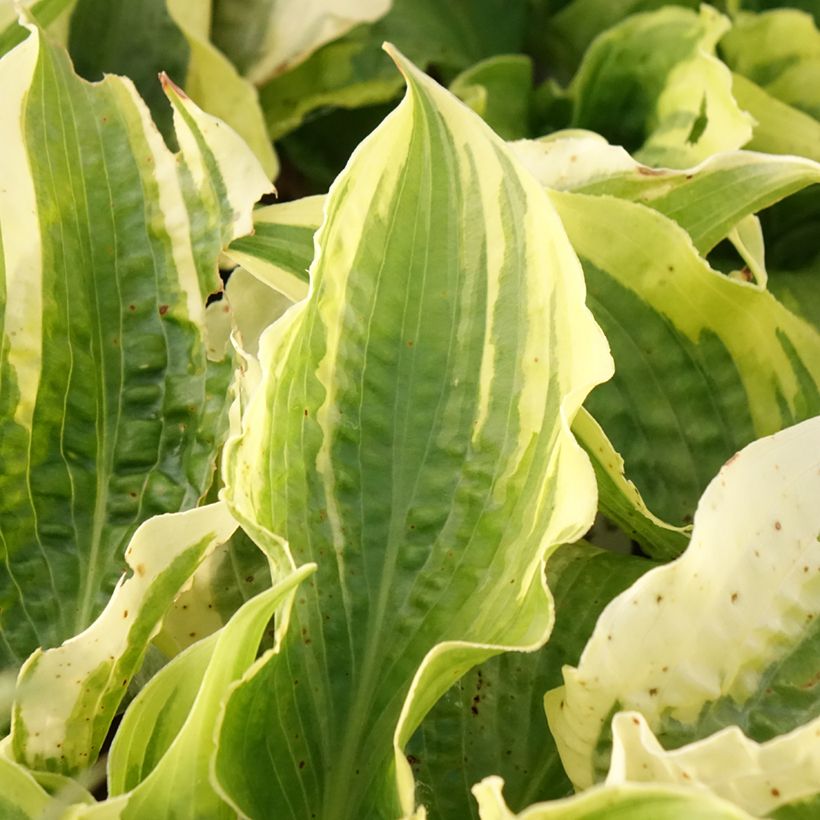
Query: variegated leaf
x,y
728,638
68,696
415,448
704,364
111,409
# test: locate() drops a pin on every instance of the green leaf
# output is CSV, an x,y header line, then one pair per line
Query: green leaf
x,y
230,575
492,721
793,253
626,802
708,200
136,39
280,250
729,638
404,439
267,37
569,32
141,38
653,85
353,71
160,761
67,696
217,87
619,499
254,306
498,89
780,52
704,364
21,796
747,238
45,12
111,409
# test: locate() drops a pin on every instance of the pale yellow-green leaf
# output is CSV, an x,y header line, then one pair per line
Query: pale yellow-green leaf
x,y
747,237
176,782
266,39
67,696
629,801
218,87
281,249
706,627
758,777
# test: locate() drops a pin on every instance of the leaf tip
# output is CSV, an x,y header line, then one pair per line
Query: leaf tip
x,y
171,88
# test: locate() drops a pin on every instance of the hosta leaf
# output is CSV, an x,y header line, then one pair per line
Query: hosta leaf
x,y
704,364
45,12
793,253
253,307
498,89
626,802
414,447
729,632
21,796
111,411
653,85
759,777
780,51
353,71
216,86
230,575
747,238
135,38
140,38
156,772
573,27
618,497
67,696
492,721
707,200
280,250
779,128
267,37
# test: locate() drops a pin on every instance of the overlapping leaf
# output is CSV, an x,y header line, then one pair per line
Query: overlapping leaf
x,y
160,763
111,410
68,696
353,71
492,721
780,52
707,200
416,449
728,638
629,801
139,38
704,364
653,85
266,38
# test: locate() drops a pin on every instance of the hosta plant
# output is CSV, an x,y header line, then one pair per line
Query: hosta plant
x,y
304,503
